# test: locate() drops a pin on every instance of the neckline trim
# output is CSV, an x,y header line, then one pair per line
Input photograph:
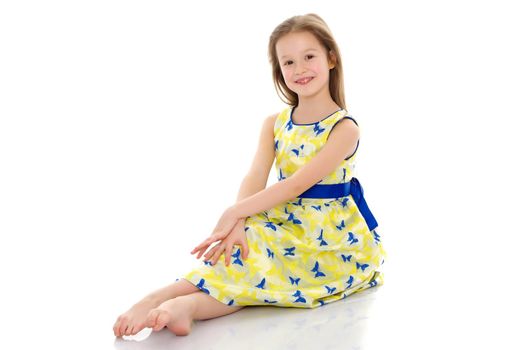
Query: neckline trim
x,y
328,116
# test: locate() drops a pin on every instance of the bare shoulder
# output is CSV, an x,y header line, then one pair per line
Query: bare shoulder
x,y
265,154
268,124
344,127
342,141
271,118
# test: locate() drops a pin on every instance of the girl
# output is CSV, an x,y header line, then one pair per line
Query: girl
x,y
307,240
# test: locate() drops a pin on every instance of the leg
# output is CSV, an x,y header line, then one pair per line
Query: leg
x,y
132,321
177,314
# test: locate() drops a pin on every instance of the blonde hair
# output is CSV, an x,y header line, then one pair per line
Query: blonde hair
x,y
314,24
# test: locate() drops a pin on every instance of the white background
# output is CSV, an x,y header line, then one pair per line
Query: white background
x,y
127,126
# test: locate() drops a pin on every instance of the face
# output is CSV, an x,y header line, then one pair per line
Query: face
x,y
304,63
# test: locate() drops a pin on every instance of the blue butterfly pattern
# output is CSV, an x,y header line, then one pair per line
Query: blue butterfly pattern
x,y
261,284
237,260
316,270
300,298
351,238
297,150
270,225
361,266
302,253
330,290
318,130
298,203
289,125
346,258
200,285
289,251
377,238
291,217
296,280
350,281
320,238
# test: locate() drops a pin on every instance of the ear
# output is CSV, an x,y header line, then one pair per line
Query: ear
x,y
332,60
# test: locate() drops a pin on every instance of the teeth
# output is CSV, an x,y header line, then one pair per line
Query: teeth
x,y
305,80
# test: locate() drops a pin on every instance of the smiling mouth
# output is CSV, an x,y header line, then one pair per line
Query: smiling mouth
x,y
304,81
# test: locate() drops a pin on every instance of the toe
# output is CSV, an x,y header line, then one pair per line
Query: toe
x,y
137,328
162,321
128,329
116,329
151,320
122,328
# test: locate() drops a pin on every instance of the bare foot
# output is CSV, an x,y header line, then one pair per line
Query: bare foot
x,y
134,320
176,314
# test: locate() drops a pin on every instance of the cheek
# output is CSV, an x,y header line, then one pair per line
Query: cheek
x,y
287,74
319,68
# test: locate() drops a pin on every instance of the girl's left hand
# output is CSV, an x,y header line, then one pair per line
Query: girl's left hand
x,y
222,229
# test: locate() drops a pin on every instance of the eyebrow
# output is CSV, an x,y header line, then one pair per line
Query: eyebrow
x,y
310,49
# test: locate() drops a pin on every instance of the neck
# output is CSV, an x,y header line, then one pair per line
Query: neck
x,y
312,107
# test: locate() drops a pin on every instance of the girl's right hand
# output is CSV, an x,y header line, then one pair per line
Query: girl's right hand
x,y
236,237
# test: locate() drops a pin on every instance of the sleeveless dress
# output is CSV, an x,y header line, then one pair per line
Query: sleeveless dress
x,y
305,252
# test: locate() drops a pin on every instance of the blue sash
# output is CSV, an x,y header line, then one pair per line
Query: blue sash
x,y
353,188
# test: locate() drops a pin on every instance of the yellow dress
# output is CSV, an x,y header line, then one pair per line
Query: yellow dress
x,y
307,251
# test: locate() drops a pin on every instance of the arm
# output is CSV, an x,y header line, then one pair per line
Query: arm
x,y
257,177
252,183
342,140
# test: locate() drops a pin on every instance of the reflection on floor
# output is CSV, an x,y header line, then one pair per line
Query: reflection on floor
x,y
338,325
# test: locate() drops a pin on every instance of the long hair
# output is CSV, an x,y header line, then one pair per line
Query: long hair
x,y
314,24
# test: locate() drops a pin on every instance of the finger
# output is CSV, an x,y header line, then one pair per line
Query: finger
x,y
202,250
196,248
199,247
213,249
204,243
209,241
218,253
210,252
198,255
215,255
245,249
228,253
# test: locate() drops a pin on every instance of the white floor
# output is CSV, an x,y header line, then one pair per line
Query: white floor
x,y
456,316
388,317
335,326
121,144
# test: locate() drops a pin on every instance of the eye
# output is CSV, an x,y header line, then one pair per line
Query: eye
x,y
286,63
310,56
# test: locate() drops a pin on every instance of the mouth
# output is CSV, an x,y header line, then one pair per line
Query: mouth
x,y
304,81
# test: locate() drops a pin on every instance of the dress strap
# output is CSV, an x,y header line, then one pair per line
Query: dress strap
x,y
281,119
347,116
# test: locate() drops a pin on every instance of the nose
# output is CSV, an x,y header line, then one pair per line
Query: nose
x,y
299,68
